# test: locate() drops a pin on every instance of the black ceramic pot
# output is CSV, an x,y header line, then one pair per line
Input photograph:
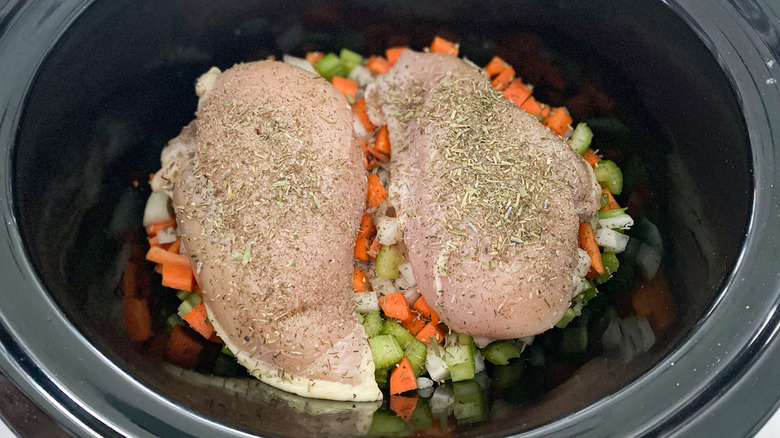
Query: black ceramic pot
x,y
91,90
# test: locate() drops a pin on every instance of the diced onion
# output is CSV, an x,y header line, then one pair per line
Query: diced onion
x,y
621,221
167,235
649,260
436,366
482,341
528,340
206,81
424,382
299,62
388,230
156,210
578,285
407,274
382,286
479,362
357,125
611,240
366,301
361,75
411,295
583,263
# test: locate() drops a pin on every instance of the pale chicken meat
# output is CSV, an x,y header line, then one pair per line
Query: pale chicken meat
x,y
491,200
268,211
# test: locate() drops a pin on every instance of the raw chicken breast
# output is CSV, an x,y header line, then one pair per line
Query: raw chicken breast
x,y
491,199
268,210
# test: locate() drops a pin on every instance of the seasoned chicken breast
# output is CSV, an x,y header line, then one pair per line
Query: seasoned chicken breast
x,y
491,199
268,211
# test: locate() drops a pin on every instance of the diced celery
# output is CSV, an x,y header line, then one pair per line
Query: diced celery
x,y
460,361
360,317
499,353
416,352
226,350
610,177
388,260
349,59
609,214
580,139
385,350
462,339
611,264
574,339
182,294
589,293
225,366
172,322
388,424
372,323
470,404
185,307
194,299
328,66
566,318
390,327
603,201
381,374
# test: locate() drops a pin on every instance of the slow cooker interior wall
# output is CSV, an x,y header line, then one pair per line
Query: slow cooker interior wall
x,y
120,83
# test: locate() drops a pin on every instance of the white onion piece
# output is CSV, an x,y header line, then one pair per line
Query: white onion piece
x,y
578,285
424,382
300,63
411,295
479,362
167,235
583,263
436,366
621,221
649,260
528,340
611,240
361,75
388,230
382,286
366,301
357,125
206,81
407,274
156,209
384,177
482,341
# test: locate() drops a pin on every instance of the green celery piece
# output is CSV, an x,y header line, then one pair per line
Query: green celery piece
x,y
388,260
372,323
460,361
194,299
390,327
470,405
182,294
499,353
581,138
225,366
609,214
603,201
467,340
226,350
350,59
328,66
381,375
385,350
416,352
610,177
611,265
172,322
360,317
566,318
185,307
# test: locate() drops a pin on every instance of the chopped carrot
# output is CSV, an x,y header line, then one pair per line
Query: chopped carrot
x,y
153,241
587,242
559,120
174,247
371,163
382,144
359,280
403,405
138,321
394,53
431,330
159,255
152,229
376,192
531,106
313,57
517,92
611,203
360,109
591,157
422,306
495,66
382,158
177,277
129,285
503,79
440,45
402,377
394,305
158,268
347,87
654,301
378,64
367,227
361,248
545,110
373,249
414,324
198,319
151,176
184,349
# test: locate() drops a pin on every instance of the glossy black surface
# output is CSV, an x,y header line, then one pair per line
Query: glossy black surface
x,y
76,119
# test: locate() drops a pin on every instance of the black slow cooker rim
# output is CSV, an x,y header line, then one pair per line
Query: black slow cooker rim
x,y
722,369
